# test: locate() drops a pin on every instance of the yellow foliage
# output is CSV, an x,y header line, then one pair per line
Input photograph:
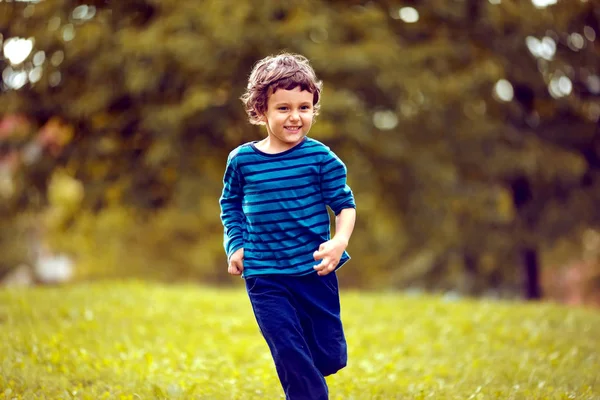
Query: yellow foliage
x,y
168,245
65,196
64,190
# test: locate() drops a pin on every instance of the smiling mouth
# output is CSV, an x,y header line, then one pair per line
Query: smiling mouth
x,y
293,128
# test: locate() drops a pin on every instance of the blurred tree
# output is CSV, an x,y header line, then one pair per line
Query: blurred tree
x,y
469,128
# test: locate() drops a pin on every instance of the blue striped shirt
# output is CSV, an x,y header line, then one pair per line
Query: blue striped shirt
x,y
274,206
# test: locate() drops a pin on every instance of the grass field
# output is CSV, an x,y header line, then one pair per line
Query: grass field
x,y
134,340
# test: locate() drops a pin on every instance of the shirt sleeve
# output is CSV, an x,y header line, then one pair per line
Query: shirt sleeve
x,y
336,192
232,215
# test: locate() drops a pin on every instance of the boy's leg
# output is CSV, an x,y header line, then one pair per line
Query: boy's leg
x,y
275,312
319,309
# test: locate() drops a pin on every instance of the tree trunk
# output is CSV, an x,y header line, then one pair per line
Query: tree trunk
x,y
531,273
470,263
473,10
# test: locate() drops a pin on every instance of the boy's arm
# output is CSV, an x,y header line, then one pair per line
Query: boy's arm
x,y
338,196
336,192
232,216
344,225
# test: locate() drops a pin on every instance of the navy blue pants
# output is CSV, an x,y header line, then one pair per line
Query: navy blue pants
x,y
299,317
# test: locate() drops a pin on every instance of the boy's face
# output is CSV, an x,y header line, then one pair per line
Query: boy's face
x,y
289,117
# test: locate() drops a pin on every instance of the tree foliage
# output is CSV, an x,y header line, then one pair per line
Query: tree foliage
x,y
471,135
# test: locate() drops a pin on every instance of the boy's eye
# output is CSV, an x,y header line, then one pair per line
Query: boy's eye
x,y
285,108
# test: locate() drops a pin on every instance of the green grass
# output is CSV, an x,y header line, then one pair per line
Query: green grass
x,y
143,341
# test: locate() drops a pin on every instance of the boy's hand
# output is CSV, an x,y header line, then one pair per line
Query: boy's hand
x,y
329,253
236,262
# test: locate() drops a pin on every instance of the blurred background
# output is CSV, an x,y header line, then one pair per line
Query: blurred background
x,y
470,129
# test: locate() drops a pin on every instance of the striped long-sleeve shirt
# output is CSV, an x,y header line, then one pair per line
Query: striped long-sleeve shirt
x,y
274,206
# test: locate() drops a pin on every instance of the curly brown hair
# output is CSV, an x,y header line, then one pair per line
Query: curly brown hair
x,y
283,71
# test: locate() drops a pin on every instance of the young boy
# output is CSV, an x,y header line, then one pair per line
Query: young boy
x,y
277,236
